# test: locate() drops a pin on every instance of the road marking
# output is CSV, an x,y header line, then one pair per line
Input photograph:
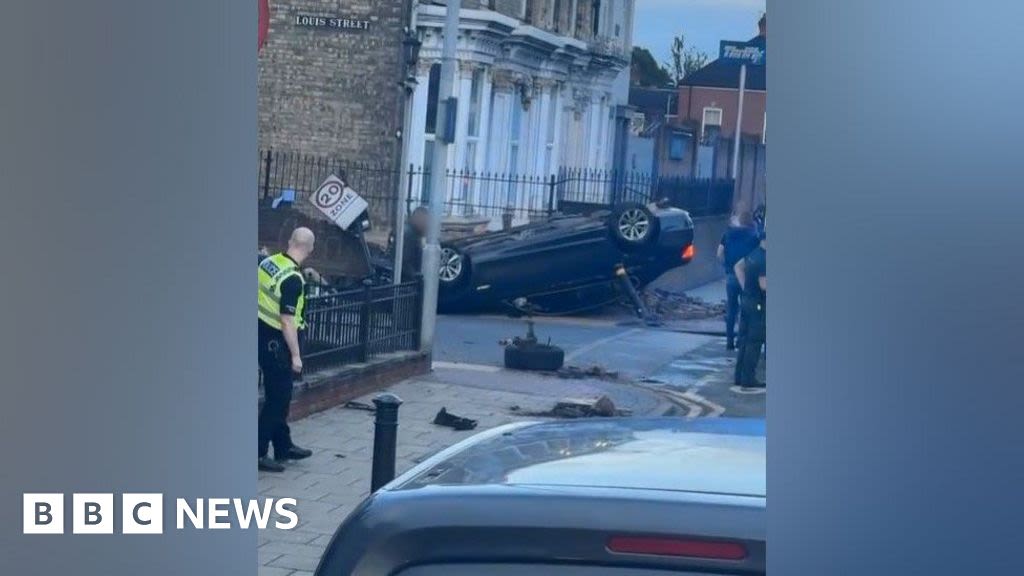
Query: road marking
x,y
693,409
468,367
597,343
748,391
716,410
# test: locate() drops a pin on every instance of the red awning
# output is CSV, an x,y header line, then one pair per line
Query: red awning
x,y
264,22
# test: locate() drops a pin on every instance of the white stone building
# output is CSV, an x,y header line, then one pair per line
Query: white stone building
x,y
541,85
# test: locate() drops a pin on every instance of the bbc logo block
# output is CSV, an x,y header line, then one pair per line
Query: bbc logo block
x,y
142,514
92,513
43,514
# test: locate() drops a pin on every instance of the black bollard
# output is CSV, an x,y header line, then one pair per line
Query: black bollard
x,y
385,439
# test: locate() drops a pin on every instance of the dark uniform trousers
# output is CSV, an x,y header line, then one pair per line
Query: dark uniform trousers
x,y
751,340
277,397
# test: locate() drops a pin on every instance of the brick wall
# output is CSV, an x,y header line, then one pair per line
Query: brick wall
x,y
693,100
333,92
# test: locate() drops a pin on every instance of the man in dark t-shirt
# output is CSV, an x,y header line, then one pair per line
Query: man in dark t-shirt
x,y
752,274
736,243
412,249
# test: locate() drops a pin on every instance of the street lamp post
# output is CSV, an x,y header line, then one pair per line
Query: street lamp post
x,y
411,47
446,114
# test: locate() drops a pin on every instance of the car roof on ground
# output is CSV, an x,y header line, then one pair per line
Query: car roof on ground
x,y
712,456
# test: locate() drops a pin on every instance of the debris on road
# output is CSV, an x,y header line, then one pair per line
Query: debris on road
x,y
578,373
444,418
573,408
353,405
677,306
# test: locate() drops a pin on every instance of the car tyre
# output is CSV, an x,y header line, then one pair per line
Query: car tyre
x,y
534,357
454,267
633,225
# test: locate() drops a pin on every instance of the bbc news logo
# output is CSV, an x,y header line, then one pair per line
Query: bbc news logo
x,y
144,513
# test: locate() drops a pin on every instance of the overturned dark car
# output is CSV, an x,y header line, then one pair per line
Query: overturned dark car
x,y
565,263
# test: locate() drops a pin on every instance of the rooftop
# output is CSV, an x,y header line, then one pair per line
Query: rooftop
x,y
725,74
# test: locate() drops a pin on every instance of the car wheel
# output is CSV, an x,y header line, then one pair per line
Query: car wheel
x,y
453,267
633,225
534,357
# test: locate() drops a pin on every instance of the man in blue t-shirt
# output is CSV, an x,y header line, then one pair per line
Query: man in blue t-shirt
x,y
739,240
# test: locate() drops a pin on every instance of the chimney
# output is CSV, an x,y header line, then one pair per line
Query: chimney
x,y
762,25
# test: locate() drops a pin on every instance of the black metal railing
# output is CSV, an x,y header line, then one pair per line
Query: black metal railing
x,y
525,197
282,171
495,196
358,325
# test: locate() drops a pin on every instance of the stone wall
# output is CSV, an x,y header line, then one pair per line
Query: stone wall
x,y
334,91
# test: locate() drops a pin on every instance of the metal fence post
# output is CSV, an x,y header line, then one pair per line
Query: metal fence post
x,y
552,183
266,175
364,321
385,440
408,193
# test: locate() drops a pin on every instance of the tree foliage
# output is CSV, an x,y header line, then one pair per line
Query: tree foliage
x,y
685,59
645,71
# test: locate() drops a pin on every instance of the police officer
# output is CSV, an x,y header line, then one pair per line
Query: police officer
x,y
752,274
281,301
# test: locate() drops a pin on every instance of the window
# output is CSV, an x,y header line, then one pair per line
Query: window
x,y
514,134
677,146
711,126
513,150
551,131
433,91
475,95
595,12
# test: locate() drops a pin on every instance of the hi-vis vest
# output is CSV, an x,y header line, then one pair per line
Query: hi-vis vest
x,y
273,271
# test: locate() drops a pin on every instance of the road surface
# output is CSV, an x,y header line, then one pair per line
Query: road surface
x,y
695,370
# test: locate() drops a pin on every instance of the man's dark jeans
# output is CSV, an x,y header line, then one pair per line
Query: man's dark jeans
x,y
732,307
752,337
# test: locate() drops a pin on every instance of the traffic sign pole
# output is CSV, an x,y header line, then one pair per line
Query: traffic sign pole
x,y
438,179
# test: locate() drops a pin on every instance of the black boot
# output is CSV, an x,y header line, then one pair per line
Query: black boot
x,y
293,453
443,418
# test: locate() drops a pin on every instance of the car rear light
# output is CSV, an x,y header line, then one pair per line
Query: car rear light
x,y
689,252
708,549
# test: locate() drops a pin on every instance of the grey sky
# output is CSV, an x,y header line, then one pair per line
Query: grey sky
x,y
704,22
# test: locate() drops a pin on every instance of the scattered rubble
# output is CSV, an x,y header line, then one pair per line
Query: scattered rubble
x,y
676,306
573,408
579,373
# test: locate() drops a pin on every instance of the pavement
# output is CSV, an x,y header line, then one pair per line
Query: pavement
x,y
660,371
336,478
